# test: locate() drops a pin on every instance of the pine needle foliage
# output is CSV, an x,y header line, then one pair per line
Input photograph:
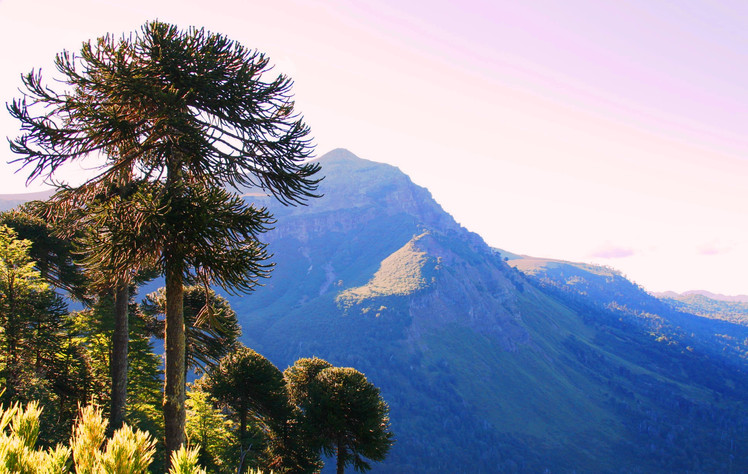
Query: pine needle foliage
x,y
163,92
211,325
88,436
343,413
213,431
255,394
128,451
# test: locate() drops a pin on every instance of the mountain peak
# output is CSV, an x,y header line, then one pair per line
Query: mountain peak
x,y
340,164
341,155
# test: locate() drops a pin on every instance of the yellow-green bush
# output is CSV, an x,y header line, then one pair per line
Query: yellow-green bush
x,y
128,451
19,430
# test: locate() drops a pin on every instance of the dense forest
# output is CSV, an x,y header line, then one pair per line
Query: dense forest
x,y
177,117
242,411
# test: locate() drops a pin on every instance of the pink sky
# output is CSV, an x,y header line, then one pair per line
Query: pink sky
x,y
612,132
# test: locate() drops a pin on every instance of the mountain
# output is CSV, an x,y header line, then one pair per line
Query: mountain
x,y
706,294
9,201
486,368
717,327
708,305
491,361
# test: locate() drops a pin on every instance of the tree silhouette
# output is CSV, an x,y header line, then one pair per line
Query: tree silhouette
x,y
189,113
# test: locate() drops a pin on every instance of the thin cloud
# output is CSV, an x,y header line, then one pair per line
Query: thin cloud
x,y
612,251
714,248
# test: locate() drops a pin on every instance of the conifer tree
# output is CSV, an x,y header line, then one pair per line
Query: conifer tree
x,y
343,412
20,285
211,327
39,359
256,394
190,113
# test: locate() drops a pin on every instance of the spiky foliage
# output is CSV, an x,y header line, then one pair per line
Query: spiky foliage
x,y
19,431
93,329
186,113
209,428
88,436
32,318
103,276
127,451
250,385
185,461
212,329
254,391
163,94
301,375
53,255
19,281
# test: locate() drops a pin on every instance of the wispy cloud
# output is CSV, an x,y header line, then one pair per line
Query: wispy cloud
x,y
714,248
612,251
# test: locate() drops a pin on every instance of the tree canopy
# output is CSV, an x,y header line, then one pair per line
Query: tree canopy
x,y
178,118
212,330
343,413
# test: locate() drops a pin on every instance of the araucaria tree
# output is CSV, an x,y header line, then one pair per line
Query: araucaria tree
x,y
342,411
185,115
256,394
212,330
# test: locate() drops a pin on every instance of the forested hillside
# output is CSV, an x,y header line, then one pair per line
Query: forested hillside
x,y
479,360
488,361
734,310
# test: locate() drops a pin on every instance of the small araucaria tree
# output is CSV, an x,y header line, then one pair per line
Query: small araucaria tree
x,y
186,115
343,412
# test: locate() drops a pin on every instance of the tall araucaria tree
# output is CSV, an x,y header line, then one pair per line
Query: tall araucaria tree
x,y
190,114
212,330
95,223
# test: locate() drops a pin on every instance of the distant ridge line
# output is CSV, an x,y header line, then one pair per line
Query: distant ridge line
x,y
706,294
27,196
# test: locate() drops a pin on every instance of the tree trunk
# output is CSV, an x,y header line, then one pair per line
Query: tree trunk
x,y
242,422
341,457
118,362
174,342
11,337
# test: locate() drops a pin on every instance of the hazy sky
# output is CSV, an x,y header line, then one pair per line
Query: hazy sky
x,y
606,132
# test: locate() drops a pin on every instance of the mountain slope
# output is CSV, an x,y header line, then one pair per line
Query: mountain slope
x,y
484,369
728,308
563,368
9,201
717,328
